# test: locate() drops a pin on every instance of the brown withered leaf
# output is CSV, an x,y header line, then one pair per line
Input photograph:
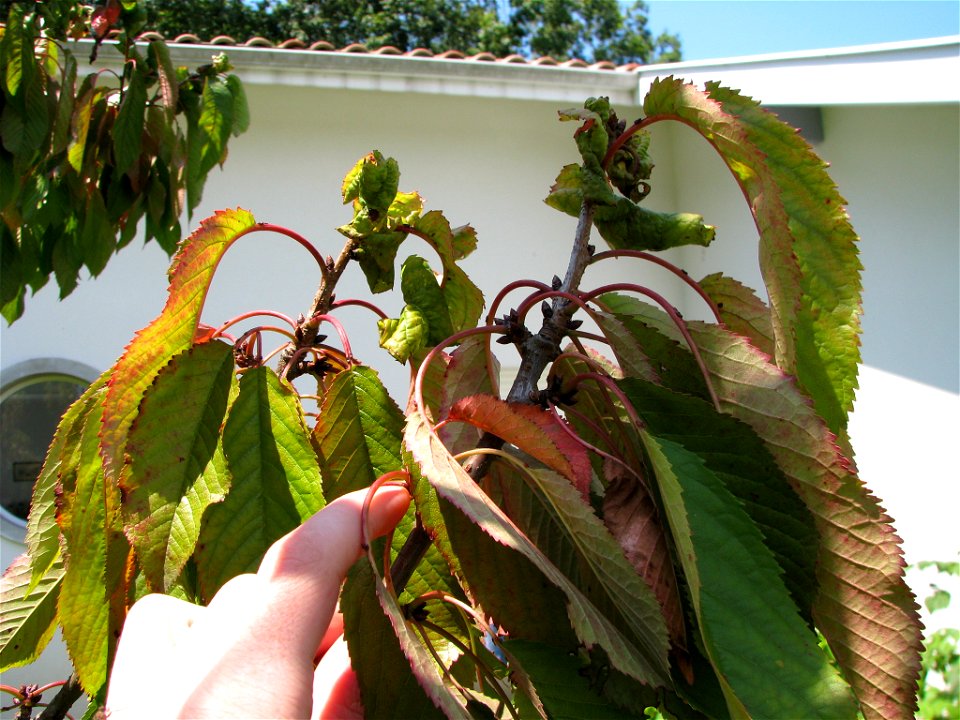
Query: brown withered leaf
x,y
631,515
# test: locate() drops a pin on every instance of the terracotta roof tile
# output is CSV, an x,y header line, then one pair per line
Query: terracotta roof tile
x,y
295,45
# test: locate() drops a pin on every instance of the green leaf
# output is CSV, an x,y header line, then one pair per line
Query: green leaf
x,y
175,470
241,111
451,482
358,432
172,331
768,660
128,128
84,515
28,611
276,481
43,533
864,607
808,252
403,336
566,693
472,370
421,290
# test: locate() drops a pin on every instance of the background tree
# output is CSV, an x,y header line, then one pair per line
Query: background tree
x,y
591,30
85,158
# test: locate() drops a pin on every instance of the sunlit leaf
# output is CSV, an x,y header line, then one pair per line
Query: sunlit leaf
x,y
741,310
28,610
84,602
43,533
739,459
403,336
275,480
539,433
358,432
171,332
175,471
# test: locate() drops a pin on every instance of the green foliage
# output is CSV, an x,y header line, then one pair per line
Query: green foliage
x,y
87,159
591,30
939,694
657,520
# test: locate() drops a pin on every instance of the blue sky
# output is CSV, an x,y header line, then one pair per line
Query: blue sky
x,y
726,28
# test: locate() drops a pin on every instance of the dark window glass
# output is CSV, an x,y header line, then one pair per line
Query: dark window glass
x,y
28,418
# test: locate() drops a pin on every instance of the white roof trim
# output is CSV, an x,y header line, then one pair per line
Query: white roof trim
x,y
921,71
917,71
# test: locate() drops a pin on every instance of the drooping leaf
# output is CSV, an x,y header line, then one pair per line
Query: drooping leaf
x,y
808,252
565,692
358,432
43,534
84,604
28,610
767,658
172,330
388,683
421,290
739,459
128,128
452,483
864,607
589,551
275,480
536,431
741,310
175,470
633,518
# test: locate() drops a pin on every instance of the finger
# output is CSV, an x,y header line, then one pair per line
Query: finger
x,y
305,568
332,634
336,693
155,629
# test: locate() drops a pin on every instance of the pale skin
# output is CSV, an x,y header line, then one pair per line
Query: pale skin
x,y
252,651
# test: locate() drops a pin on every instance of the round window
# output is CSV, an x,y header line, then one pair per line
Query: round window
x,y
31,405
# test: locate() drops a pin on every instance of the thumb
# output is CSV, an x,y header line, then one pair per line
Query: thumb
x,y
304,569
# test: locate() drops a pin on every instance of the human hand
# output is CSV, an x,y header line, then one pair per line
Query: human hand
x,y
252,651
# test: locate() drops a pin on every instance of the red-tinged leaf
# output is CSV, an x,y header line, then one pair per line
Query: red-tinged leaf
x,y
451,482
171,332
556,518
396,673
631,515
472,370
808,252
532,429
864,608
741,310
175,470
